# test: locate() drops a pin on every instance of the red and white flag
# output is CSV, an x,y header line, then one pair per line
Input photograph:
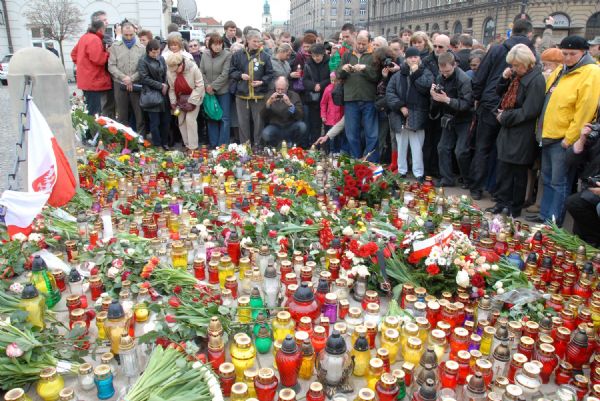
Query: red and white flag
x,y
422,249
49,177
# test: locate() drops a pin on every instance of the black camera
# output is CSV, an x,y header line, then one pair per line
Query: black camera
x,y
593,135
279,96
591,181
439,88
388,63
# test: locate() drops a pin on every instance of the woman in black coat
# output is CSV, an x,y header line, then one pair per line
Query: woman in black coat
x,y
153,73
315,79
522,88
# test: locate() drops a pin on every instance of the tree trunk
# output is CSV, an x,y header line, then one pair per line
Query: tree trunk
x,y
62,56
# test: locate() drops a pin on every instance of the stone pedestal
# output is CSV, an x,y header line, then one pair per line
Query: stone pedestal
x,y
51,95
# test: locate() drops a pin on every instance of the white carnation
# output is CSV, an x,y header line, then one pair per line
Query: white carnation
x,y
348,231
462,278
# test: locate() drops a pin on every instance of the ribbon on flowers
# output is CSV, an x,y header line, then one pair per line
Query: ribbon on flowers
x,y
421,249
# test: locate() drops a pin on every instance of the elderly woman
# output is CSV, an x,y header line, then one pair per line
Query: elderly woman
x,y
153,77
186,91
175,45
280,62
214,66
522,88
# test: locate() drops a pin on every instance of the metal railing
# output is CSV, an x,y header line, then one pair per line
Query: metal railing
x,y
20,150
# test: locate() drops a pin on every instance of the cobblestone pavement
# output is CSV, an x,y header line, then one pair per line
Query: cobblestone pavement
x,y
8,137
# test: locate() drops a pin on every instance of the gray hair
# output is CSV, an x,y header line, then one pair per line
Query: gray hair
x,y
97,14
383,41
253,34
284,79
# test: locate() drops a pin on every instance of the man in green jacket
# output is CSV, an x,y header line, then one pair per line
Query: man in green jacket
x,y
360,76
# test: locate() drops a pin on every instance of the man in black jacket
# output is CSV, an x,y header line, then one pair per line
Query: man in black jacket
x,y
465,45
229,35
452,101
283,113
315,78
486,102
584,206
251,70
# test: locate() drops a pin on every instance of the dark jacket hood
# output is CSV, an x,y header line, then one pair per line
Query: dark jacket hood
x,y
516,40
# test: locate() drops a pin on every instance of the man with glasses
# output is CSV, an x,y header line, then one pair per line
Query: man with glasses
x,y
441,45
124,56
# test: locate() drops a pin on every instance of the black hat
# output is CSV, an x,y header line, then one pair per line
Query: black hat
x,y
411,52
317,48
574,42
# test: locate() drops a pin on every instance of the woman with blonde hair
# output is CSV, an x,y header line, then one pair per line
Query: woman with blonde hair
x,y
175,45
522,89
186,91
421,41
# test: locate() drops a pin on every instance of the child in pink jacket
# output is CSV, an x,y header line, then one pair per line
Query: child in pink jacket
x,y
331,114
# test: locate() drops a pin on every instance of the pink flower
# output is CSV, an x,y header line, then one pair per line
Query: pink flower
x,y
13,351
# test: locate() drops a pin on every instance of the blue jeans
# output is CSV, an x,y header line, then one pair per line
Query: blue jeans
x,y
159,126
218,131
557,179
362,129
272,134
93,101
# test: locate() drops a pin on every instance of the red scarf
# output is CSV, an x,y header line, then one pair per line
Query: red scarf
x,y
181,86
509,100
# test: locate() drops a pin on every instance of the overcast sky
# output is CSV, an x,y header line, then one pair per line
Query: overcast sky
x,y
243,12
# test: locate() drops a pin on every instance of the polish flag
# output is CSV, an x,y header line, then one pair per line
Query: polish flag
x,y
421,249
49,177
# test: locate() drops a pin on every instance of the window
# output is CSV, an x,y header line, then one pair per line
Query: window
x,y
427,27
322,12
2,22
396,29
347,11
362,11
36,33
489,28
333,23
469,22
446,25
348,1
333,2
334,11
363,1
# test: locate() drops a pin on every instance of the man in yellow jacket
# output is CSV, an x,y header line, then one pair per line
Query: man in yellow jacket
x,y
572,93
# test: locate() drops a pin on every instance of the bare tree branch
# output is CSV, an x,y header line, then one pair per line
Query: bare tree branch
x,y
57,19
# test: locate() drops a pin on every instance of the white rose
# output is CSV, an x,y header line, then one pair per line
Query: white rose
x,y
112,272
348,231
462,278
500,291
19,237
498,284
35,237
284,210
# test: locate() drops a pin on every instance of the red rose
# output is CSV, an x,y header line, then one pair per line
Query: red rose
x,y
433,269
170,319
383,185
477,281
272,233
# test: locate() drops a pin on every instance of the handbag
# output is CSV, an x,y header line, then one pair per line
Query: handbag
x,y
212,108
298,85
150,98
314,97
184,104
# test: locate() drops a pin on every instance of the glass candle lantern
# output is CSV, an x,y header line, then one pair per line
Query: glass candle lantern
x,y
500,360
459,340
282,326
179,255
130,366
288,360
391,341
439,343
243,355
330,307
449,375
577,354
226,269
44,281
96,287
546,354
308,360
303,303
387,388
34,304
287,394
529,380
16,394
475,389
516,363
103,379
318,339
374,373
334,362
86,377
67,394
239,392
249,377
265,384
116,324
413,351
226,378
384,355
315,392
244,313
49,384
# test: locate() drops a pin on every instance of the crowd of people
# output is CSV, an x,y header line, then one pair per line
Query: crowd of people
x,y
516,119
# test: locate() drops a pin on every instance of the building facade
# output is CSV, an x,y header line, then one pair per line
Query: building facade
x,y
15,33
327,16
484,19
208,25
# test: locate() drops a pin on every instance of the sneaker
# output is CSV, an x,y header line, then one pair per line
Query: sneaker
x,y
403,175
497,209
476,195
535,219
420,179
533,209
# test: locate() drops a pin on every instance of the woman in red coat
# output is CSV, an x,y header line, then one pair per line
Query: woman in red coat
x,y
91,57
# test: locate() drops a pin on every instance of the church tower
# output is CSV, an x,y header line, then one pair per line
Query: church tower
x,y
267,22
